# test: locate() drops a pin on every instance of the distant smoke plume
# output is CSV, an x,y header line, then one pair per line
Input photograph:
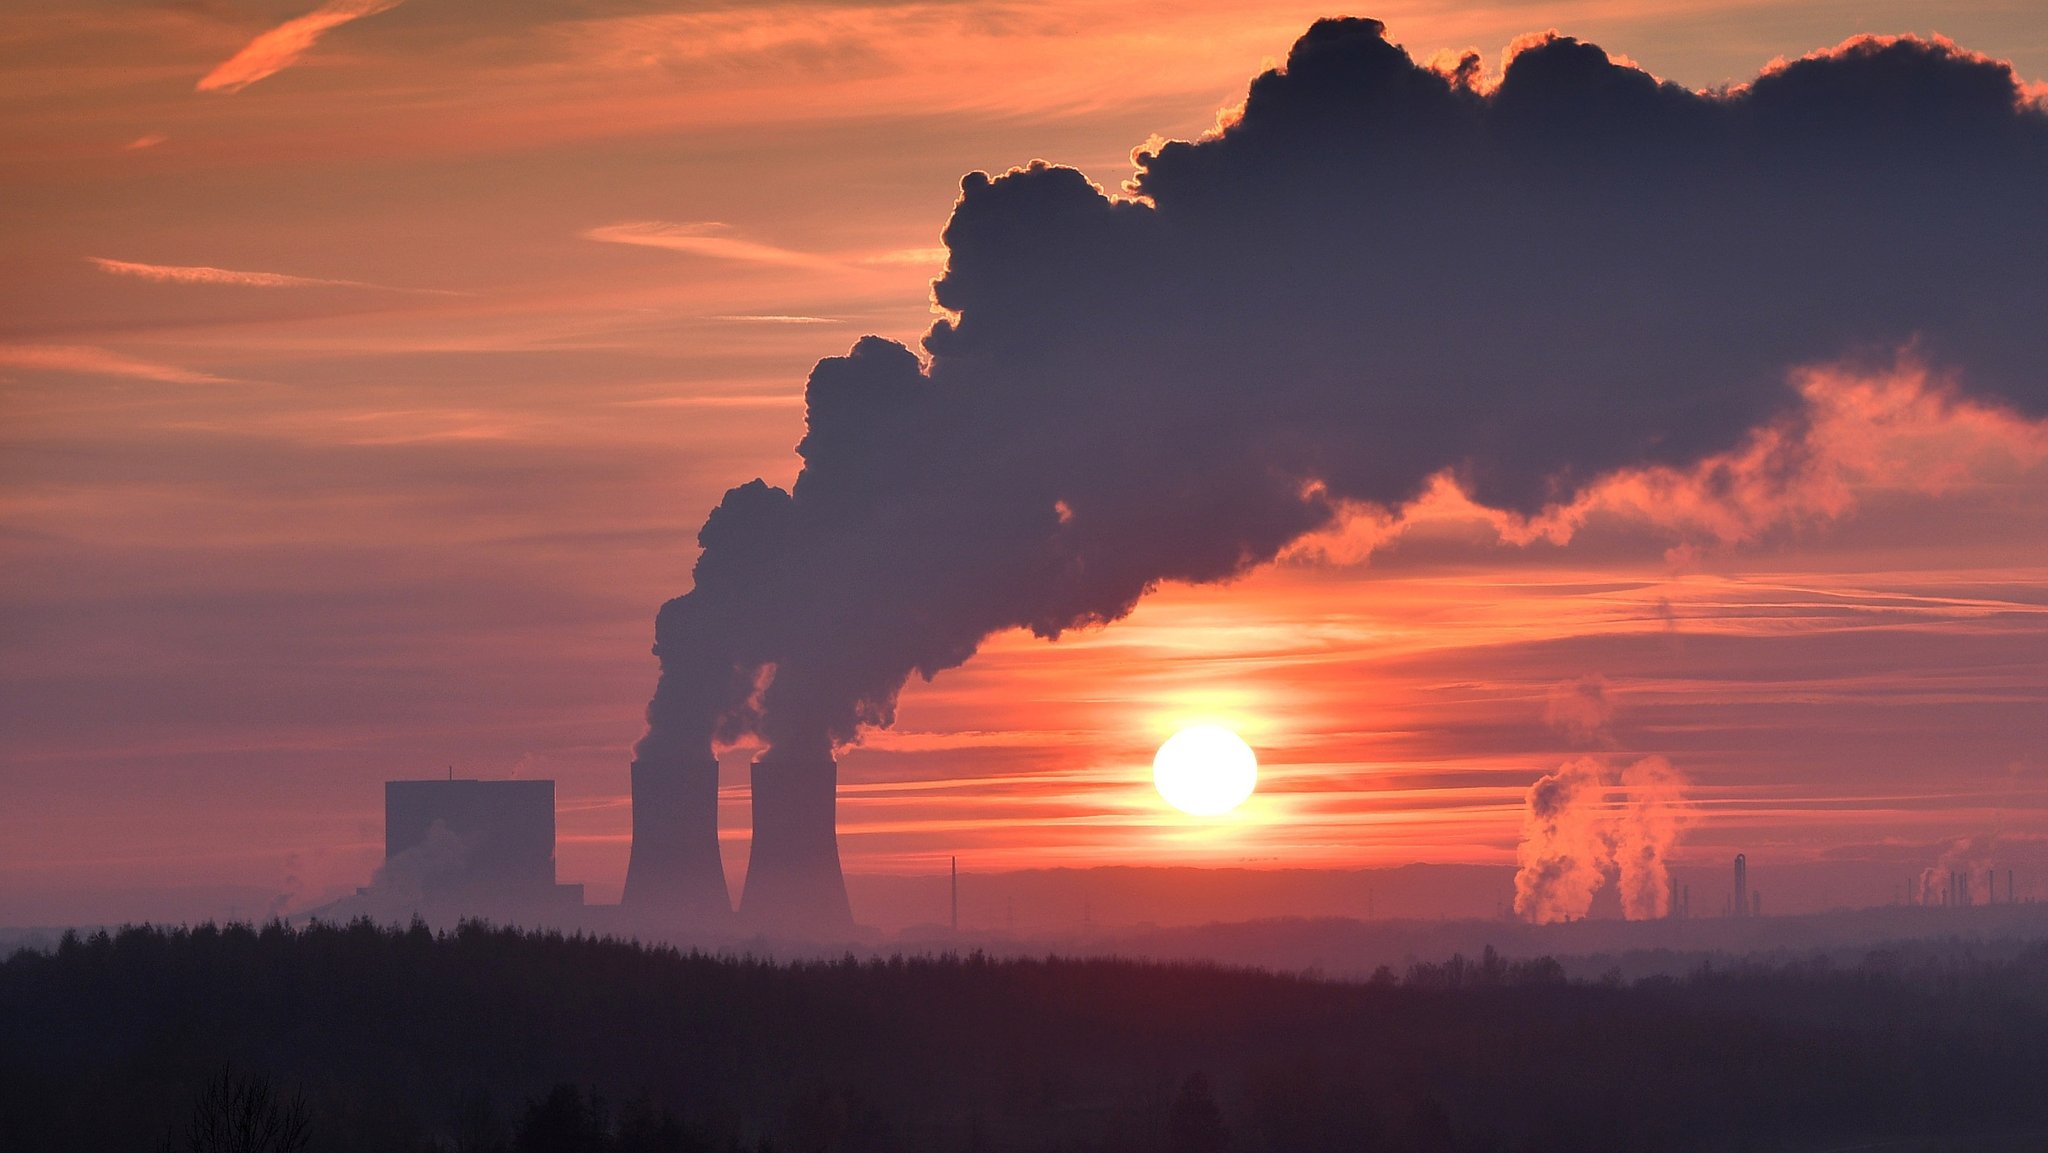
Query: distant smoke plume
x,y
1653,814
1580,709
1565,849
1967,858
411,875
1587,821
1379,276
1574,838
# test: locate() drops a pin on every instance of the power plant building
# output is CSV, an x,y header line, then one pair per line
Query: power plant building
x,y
480,846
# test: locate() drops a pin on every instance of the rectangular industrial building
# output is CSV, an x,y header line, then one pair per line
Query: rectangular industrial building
x,y
475,841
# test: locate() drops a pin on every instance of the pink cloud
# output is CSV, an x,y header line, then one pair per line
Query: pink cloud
x,y
89,361
281,47
705,238
202,274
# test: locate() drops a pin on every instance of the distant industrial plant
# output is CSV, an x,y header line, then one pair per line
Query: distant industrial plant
x,y
469,848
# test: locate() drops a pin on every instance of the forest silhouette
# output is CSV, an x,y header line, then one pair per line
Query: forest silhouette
x,y
485,1038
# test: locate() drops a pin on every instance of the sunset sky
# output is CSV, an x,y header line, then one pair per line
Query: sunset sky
x,y
365,375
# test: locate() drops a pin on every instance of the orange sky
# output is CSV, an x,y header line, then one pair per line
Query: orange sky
x,y
366,372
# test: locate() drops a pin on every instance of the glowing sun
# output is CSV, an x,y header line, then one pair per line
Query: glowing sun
x,y
1206,770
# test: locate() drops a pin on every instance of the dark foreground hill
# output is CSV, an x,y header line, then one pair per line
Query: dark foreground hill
x,y
486,1038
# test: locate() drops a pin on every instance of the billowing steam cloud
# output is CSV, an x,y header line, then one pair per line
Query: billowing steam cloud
x,y
1376,276
1565,850
1646,829
1588,821
1966,863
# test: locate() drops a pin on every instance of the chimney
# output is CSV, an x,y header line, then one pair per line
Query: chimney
x,y
1741,903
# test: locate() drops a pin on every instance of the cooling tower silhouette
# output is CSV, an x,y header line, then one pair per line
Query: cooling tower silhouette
x,y
793,875
794,881
675,871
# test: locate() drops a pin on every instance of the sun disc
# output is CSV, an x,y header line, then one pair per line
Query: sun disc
x,y
1205,770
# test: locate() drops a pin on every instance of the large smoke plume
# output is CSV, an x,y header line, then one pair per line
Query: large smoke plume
x,y
1377,275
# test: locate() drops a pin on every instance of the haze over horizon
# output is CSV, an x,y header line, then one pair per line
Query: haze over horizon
x,y
361,415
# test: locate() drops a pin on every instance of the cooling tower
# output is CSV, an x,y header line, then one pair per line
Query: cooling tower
x,y
793,877
674,873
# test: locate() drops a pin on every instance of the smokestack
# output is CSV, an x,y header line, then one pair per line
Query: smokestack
x,y
1741,902
956,894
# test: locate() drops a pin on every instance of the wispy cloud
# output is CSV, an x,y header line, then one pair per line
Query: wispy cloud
x,y
90,361
706,238
281,47
777,318
908,256
778,400
204,274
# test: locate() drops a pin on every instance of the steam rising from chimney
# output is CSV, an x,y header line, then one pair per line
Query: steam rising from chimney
x,y
1380,275
1565,850
1575,836
1574,839
1961,875
1653,815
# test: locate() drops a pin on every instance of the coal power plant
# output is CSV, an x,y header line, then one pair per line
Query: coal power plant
x,y
472,847
1306,361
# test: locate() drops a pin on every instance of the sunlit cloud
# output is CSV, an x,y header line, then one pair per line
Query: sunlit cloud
x,y
706,238
86,360
204,274
932,256
150,140
715,400
1905,428
772,318
282,46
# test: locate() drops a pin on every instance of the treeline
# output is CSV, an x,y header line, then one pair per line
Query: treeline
x,y
495,1039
